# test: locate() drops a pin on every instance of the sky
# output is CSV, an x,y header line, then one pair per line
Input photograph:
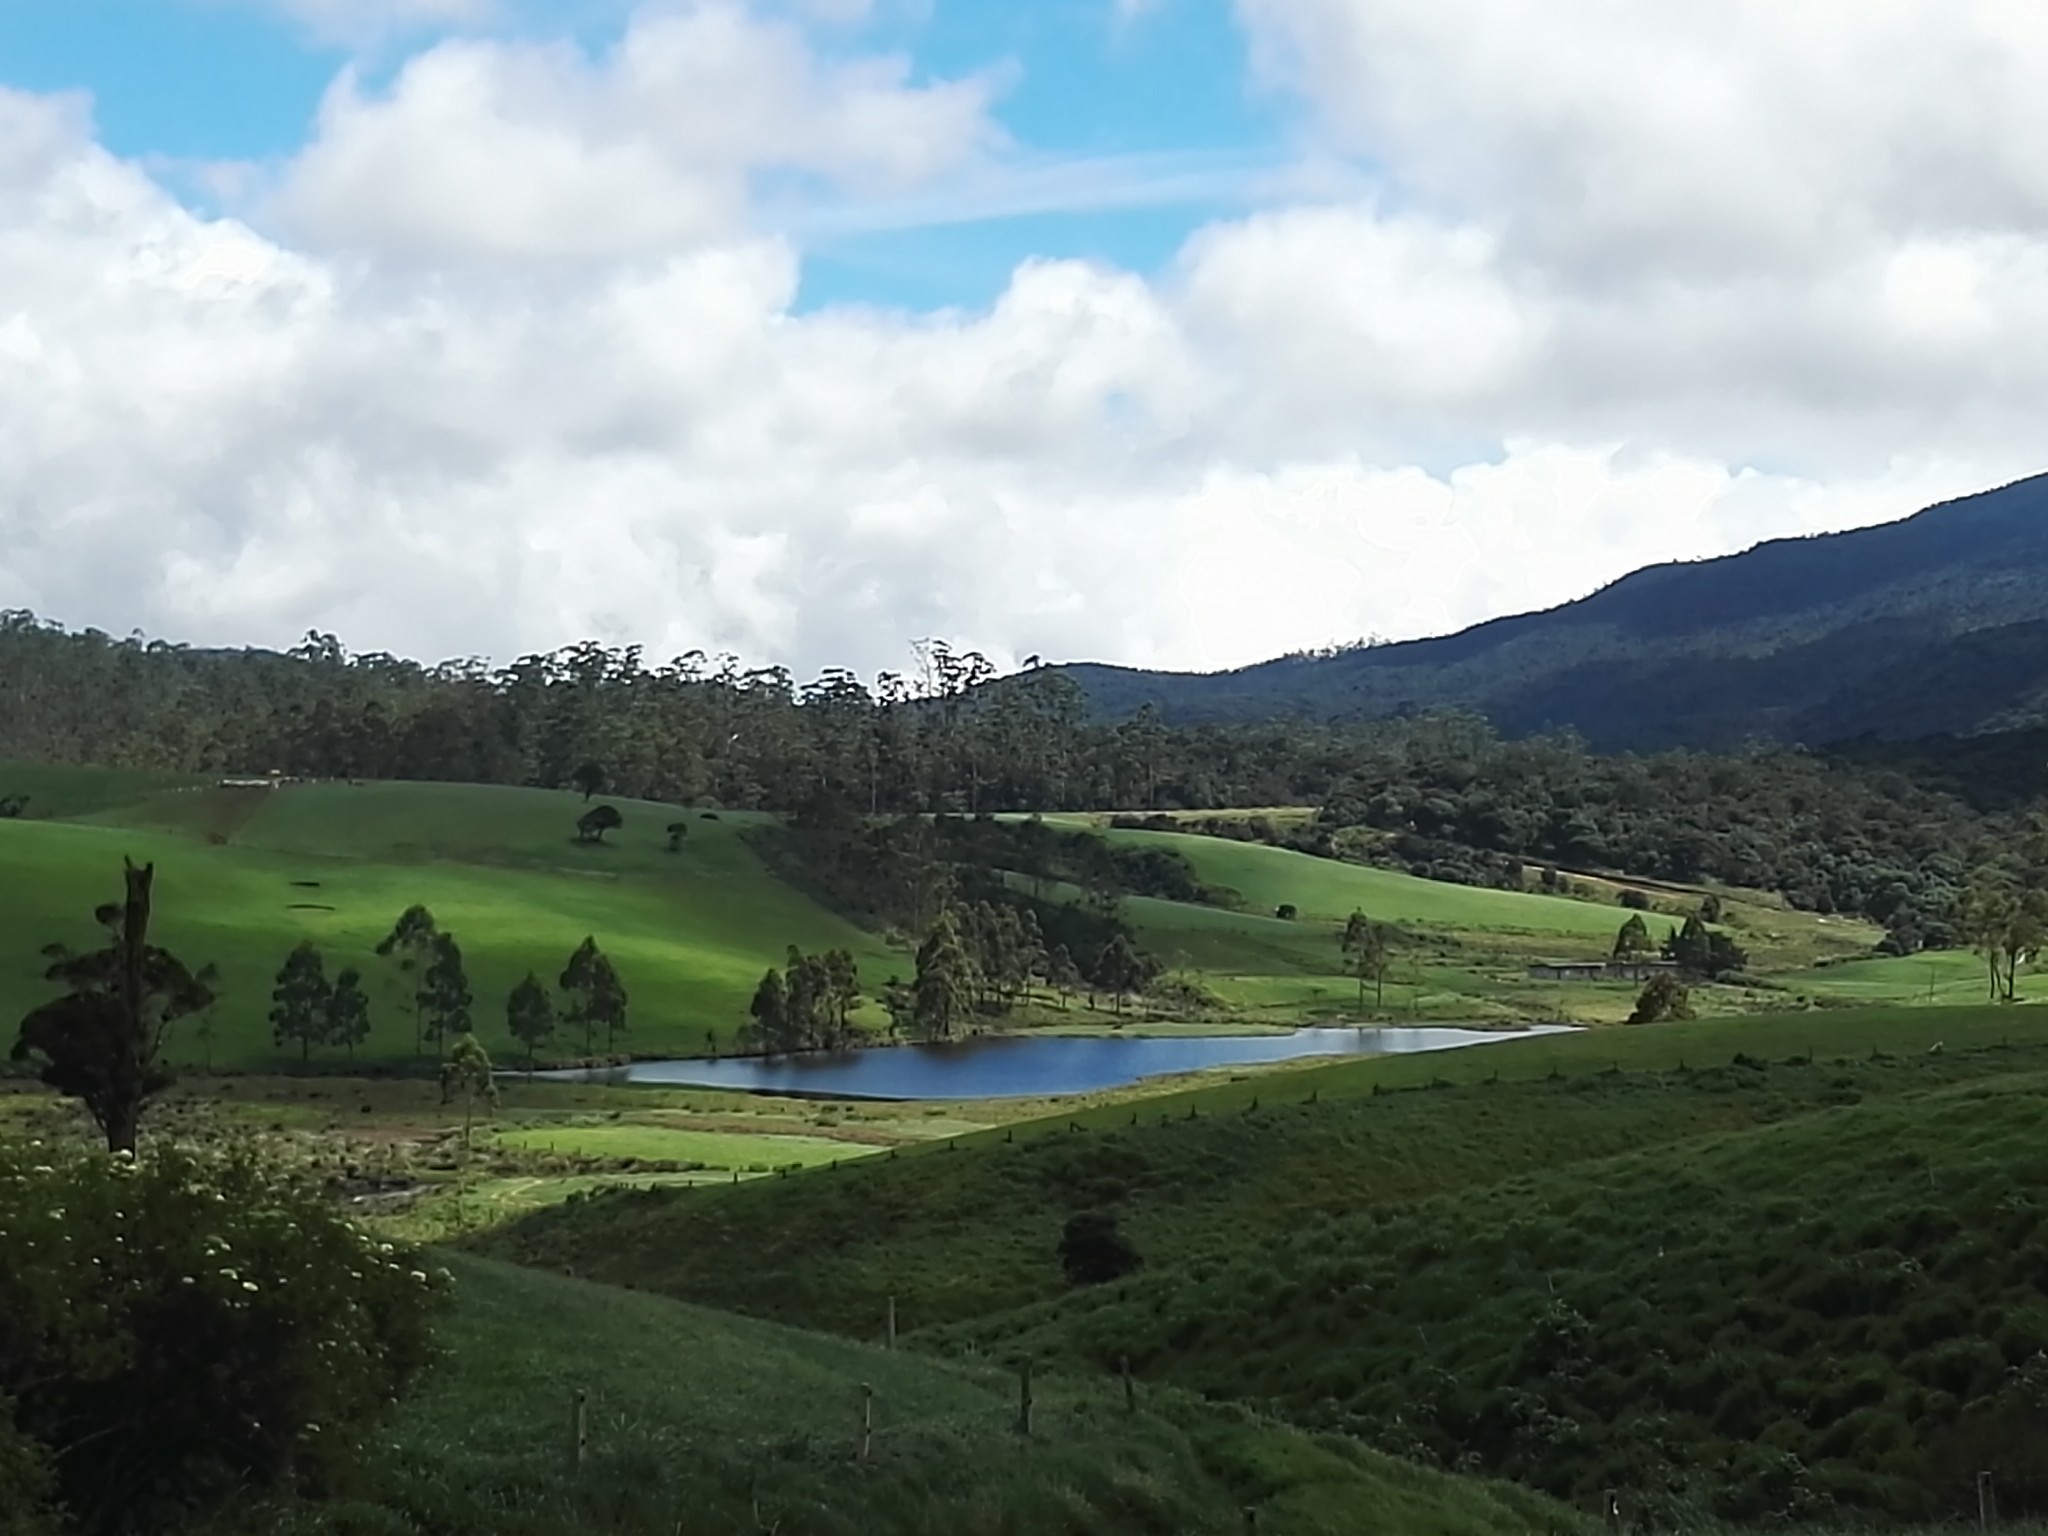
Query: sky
x,y
1175,333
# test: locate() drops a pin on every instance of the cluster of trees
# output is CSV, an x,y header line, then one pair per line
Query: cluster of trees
x,y
307,1009
807,1005
983,958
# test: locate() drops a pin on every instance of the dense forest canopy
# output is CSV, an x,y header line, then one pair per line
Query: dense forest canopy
x,y
1440,793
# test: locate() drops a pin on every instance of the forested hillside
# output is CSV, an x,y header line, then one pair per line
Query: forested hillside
x,y
1937,623
1441,794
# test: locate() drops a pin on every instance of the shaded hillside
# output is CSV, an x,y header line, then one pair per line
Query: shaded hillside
x,y
1937,623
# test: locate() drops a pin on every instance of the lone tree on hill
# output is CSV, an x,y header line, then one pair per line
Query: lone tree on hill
x,y
348,1012
447,992
1633,939
592,825
530,1016
99,1043
1367,956
467,1072
596,995
298,1003
1119,970
410,944
588,777
1093,1251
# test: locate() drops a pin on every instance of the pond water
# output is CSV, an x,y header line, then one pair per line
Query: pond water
x,y
1019,1066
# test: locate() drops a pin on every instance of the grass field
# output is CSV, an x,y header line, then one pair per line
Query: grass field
x,y
960,1230
244,876
1838,1313
708,1424
1750,1256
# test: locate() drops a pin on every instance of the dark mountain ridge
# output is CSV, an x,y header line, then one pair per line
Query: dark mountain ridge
x,y
1937,623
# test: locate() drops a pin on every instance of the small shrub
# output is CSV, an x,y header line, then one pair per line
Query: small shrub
x,y
1635,901
1664,998
1093,1251
184,1325
1285,911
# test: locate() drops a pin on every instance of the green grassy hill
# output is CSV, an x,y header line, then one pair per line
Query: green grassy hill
x,y
966,1228
1841,1314
713,1425
245,875
1471,946
1685,1261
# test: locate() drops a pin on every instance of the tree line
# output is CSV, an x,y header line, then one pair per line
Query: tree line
x,y
1437,794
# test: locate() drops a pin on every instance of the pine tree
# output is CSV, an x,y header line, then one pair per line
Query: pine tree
x,y
770,1011
530,1016
1633,939
298,1008
467,1071
842,973
448,997
410,945
597,996
1119,970
944,988
347,1021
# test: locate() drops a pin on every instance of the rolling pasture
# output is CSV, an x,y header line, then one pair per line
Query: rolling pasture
x,y
244,875
703,1422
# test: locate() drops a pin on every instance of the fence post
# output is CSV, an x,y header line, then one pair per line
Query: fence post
x,y
1024,1398
867,1420
1123,1365
891,1336
579,1430
1987,1502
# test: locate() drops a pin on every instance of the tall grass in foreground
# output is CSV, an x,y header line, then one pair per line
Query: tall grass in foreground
x,y
703,1424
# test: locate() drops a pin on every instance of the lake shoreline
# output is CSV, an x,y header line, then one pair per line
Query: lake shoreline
x,y
1034,1064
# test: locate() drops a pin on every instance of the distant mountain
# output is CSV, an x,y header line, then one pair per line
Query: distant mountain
x,y
1934,624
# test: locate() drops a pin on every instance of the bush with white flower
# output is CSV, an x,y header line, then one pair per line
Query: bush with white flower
x,y
185,1324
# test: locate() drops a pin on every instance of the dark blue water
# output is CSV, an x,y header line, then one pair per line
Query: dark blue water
x,y
1019,1066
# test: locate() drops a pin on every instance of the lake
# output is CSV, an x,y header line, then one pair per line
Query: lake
x,y
1029,1066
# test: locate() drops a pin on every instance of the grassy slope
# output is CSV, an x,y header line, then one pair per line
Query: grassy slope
x,y
968,1228
1474,944
690,932
1787,1320
710,1424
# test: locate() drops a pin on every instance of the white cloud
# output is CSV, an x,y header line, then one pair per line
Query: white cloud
x,y
487,150
507,356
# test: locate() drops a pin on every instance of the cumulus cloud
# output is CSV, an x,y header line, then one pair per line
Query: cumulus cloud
x,y
508,355
490,150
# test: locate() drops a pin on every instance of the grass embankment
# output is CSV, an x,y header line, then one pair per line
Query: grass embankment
x,y
710,1424
965,1229
244,875
1840,1313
